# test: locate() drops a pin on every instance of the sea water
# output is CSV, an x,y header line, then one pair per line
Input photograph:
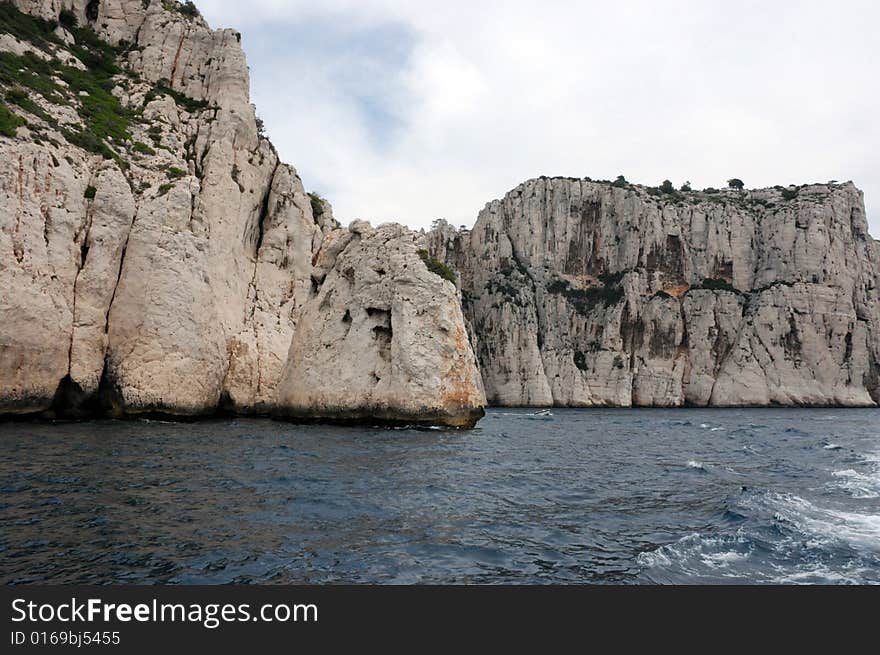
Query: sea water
x,y
576,496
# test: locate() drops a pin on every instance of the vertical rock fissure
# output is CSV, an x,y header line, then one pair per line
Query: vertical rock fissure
x,y
69,396
107,398
84,252
262,217
17,248
683,347
183,38
264,213
119,271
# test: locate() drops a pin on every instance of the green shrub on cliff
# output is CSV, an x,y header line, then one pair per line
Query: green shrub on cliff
x,y
9,121
37,31
142,148
21,98
717,284
30,72
187,8
104,118
437,267
68,19
585,300
183,101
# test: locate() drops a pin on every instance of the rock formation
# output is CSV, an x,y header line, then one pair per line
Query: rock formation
x,y
159,258
156,254
391,335
580,293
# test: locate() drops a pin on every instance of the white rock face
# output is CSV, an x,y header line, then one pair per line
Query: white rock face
x,y
581,294
187,270
169,275
108,221
384,338
43,216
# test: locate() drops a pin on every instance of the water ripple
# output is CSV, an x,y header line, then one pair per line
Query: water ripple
x,y
596,496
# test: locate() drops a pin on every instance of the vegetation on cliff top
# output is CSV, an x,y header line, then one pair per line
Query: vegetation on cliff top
x,y
734,192
317,202
187,8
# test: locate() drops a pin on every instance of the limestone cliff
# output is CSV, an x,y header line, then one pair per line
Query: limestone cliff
x,y
391,334
156,253
156,256
581,293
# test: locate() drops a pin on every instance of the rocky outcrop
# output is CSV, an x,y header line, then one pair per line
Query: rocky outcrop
x,y
156,253
580,293
387,331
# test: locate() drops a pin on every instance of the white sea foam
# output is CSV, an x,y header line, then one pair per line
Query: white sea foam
x,y
860,531
832,446
817,573
698,554
859,485
725,558
864,483
696,465
807,526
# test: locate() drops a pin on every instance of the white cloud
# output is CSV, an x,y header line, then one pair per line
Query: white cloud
x,y
413,111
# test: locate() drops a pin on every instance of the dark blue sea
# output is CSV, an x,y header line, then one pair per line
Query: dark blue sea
x,y
582,496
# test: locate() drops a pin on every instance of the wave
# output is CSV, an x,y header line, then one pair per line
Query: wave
x,y
699,557
863,484
828,526
783,539
859,485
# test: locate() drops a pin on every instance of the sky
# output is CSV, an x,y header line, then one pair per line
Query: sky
x,y
413,111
